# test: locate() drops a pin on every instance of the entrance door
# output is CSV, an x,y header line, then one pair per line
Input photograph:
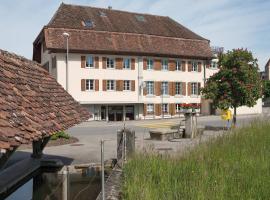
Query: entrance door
x,y
115,113
103,113
130,112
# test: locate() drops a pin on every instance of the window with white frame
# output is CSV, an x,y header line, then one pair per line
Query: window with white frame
x,y
126,85
214,64
89,84
126,63
177,107
194,65
89,62
150,108
164,88
194,89
165,108
110,84
165,64
178,88
178,65
110,63
150,87
150,63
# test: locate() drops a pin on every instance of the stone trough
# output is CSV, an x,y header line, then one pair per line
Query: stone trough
x,y
166,134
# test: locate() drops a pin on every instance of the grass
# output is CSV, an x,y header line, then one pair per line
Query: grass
x,y
234,166
60,134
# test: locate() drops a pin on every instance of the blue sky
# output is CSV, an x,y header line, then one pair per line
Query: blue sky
x,y
227,23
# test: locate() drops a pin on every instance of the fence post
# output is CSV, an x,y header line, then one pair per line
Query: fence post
x,y
102,170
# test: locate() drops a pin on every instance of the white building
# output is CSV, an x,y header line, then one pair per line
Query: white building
x,y
124,65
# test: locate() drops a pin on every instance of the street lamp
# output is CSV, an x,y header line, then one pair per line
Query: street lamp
x,y
66,35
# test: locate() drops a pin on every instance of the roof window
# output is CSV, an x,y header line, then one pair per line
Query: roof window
x,y
88,23
102,14
140,18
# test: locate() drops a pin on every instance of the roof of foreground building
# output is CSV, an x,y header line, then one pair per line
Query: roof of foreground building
x,y
98,30
32,104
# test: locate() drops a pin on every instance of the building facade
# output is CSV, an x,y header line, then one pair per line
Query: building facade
x,y
122,65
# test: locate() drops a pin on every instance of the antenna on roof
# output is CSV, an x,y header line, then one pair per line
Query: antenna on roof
x,y
110,7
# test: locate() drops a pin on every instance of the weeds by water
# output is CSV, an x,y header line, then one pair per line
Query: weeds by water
x,y
234,166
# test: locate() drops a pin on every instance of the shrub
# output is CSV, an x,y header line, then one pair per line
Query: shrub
x,y
60,134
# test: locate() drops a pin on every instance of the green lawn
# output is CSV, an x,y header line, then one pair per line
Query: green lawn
x,y
234,166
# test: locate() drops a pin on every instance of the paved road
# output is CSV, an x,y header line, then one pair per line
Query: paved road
x,y
87,150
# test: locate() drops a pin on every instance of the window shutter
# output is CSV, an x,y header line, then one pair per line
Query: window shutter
x,y
157,88
96,62
133,85
82,84
189,66
121,85
144,91
145,64
104,60
119,63
97,85
184,89
172,65
171,88
104,86
157,64
199,88
157,109
189,89
199,66
132,64
144,109
183,65
172,109
83,61
118,82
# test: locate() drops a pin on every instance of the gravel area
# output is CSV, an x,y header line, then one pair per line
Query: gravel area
x,y
51,143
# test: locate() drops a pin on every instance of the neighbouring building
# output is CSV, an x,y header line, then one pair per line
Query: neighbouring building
x,y
33,106
267,71
124,65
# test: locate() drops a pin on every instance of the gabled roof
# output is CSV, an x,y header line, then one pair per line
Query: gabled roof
x,y
32,104
72,16
120,32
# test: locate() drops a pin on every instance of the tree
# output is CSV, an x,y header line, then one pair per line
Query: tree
x,y
237,83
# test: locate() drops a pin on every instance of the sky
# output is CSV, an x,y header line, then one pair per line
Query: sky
x,y
226,23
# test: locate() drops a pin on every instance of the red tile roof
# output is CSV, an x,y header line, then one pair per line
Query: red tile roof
x,y
32,104
121,32
133,44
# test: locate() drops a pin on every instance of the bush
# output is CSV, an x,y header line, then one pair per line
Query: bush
x,y
234,166
60,134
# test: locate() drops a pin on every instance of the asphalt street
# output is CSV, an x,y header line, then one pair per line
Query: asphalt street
x,y
87,150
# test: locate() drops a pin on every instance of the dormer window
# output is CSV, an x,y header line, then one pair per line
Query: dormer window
x,y
88,23
102,14
140,18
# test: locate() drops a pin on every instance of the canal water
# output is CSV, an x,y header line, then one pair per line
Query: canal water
x,y
52,186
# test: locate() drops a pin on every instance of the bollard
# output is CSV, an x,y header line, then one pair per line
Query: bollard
x,y
190,125
65,185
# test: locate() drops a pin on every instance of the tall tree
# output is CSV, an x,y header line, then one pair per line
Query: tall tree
x,y
237,83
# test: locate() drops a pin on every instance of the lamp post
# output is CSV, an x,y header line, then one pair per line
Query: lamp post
x,y
66,35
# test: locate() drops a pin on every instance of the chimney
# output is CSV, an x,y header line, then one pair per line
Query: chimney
x,y
110,7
